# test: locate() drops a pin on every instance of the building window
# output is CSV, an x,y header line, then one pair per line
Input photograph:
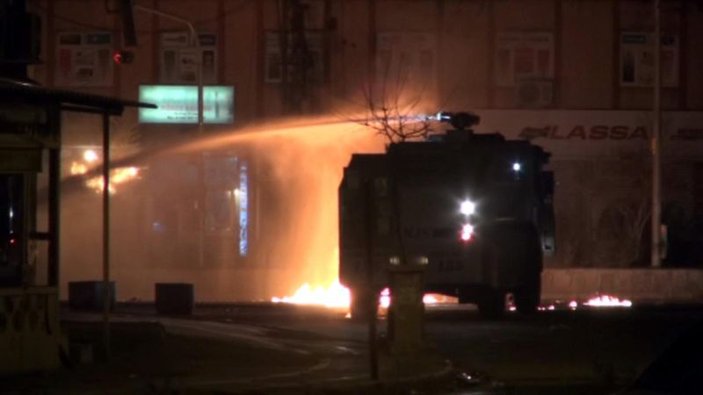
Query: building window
x,y
304,58
637,59
407,59
524,56
525,62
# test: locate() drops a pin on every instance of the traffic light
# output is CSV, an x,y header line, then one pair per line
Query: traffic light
x,y
120,56
129,33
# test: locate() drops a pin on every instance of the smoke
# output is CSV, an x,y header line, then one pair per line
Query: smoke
x,y
296,167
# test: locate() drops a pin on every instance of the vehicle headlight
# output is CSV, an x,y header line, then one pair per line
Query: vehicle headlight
x,y
467,207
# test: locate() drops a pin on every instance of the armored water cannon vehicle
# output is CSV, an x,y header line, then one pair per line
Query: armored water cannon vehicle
x,y
476,208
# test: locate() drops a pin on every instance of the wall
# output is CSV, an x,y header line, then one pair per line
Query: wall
x,y
586,53
637,285
586,47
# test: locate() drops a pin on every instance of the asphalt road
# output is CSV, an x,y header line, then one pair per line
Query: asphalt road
x,y
587,351
584,351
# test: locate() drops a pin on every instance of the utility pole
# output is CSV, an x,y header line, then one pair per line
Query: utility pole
x,y
656,142
195,46
107,290
19,39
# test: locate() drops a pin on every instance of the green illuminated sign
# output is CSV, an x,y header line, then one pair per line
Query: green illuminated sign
x,y
179,104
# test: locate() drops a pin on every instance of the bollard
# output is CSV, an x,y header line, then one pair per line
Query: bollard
x,y
406,311
88,295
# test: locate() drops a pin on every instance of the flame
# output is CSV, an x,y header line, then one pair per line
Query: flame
x,y
78,168
335,295
596,301
608,301
338,296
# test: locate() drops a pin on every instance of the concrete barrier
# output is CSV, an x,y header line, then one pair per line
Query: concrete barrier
x,y
88,295
174,298
642,285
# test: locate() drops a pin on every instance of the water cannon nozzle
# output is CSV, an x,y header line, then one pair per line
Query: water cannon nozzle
x,y
459,120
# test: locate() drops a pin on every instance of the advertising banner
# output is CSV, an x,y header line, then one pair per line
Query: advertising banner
x,y
84,59
637,60
178,104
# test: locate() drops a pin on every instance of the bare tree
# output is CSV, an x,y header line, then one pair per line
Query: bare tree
x,y
397,96
603,211
393,110
624,213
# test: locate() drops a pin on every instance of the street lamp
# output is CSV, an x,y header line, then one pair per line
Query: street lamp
x,y
195,46
656,142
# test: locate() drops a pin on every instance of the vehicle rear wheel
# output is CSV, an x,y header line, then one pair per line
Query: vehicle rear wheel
x,y
362,304
491,304
527,297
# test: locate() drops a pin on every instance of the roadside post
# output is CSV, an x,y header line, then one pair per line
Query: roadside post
x,y
370,301
406,312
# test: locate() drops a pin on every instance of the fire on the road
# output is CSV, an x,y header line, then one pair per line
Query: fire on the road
x,y
338,296
598,301
335,295
608,301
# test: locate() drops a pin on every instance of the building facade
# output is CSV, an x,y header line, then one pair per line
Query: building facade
x,y
574,75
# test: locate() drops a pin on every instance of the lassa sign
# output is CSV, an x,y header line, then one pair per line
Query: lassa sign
x,y
595,132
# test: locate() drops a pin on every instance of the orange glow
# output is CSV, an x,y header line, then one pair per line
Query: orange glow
x,y
78,168
117,176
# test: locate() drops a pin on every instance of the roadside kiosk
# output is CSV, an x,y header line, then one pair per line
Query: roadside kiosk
x,y
30,143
